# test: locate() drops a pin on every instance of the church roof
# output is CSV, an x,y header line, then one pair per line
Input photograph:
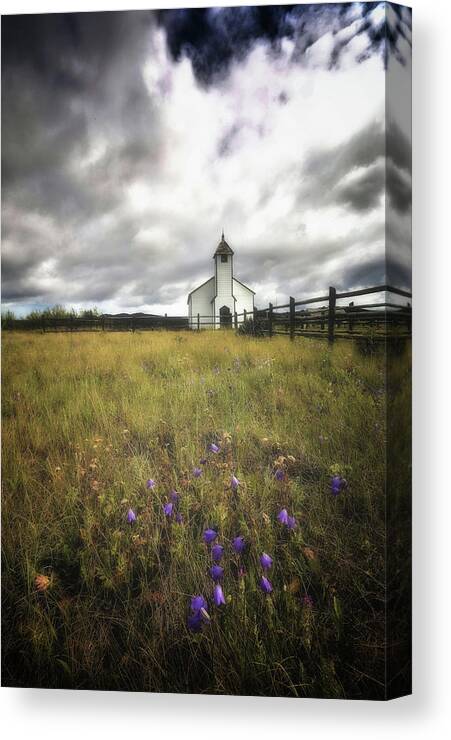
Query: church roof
x,y
223,247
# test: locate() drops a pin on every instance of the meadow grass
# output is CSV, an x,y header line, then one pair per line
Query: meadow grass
x,y
88,418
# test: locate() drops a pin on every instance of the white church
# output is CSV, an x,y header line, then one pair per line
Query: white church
x,y
215,303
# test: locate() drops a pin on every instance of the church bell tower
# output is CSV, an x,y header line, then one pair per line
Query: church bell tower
x,y
224,299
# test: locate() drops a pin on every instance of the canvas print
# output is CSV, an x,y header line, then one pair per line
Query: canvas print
x,y
206,348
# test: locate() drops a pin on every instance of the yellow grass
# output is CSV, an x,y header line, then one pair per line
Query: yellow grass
x,y
88,418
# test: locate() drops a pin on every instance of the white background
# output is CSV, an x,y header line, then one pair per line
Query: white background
x,y
57,714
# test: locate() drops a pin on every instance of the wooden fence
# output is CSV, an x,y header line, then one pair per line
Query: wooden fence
x,y
98,323
329,316
324,316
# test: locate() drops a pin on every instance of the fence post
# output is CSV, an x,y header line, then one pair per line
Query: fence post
x,y
351,322
103,323
165,322
244,315
235,320
43,325
270,312
331,317
254,320
198,322
292,316
322,319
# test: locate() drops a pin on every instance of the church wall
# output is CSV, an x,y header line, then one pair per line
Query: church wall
x,y
201,303
244,299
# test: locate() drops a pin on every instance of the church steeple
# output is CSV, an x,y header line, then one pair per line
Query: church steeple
x,y
223,247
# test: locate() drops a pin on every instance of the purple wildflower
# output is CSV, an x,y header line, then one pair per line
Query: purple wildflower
x,y
265,585
198,603
234,482
238,544
216,572
279,474
307,601
168,508
213,448
203,461
179,518
218,595
209,535
150,483
265,561
291,522
337,484
199,613
197,472
217,551
131,516
174,496
195,622
282,516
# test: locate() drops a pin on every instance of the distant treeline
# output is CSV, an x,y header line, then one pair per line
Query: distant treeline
x,y
53,312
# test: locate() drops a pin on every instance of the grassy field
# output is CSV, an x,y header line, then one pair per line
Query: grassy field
x,y
91,600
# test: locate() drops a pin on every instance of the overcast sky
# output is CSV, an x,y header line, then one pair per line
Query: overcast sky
x,y
131,138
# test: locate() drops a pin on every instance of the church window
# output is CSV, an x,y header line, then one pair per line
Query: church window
x,y
223,258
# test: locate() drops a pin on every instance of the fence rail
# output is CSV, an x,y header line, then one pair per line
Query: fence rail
x,y
330,319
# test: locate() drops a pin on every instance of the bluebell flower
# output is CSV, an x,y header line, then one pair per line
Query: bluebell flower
x,y
265,561
217,551
238,544
209,535
168,508
195,622
218,595
198,603
282,516
337,484
265,585
216,572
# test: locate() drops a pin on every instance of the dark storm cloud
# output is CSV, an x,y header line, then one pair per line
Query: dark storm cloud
x,y
213,38
69,80
357,172
52,67
363,193
326,169
371,272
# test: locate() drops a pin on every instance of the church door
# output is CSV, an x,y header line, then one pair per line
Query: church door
x,y
225,317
